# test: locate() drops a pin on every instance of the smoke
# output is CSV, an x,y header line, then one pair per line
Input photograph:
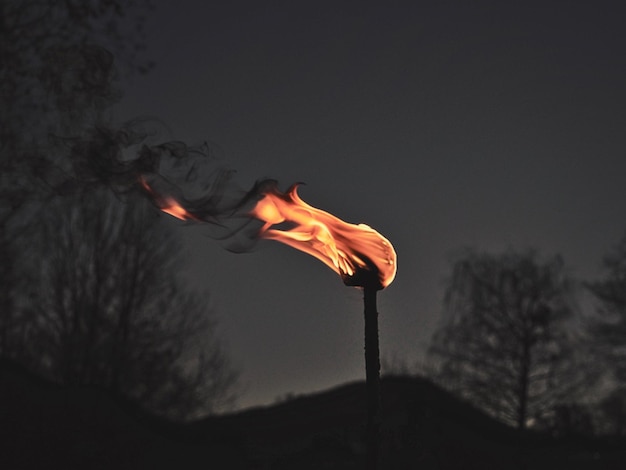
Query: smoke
x,y
129,160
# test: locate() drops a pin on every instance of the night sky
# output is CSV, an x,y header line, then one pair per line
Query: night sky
x,y
441,124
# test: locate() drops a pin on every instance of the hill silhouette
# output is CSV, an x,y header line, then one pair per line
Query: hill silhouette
x,y
44,425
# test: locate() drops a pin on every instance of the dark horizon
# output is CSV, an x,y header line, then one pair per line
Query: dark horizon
x,y
86,427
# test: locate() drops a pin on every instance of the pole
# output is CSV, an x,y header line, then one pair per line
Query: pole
x,y
372,377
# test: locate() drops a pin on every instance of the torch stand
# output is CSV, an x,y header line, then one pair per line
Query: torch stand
x,y
372,377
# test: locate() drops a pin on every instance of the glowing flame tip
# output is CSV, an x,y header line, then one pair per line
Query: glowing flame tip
x,y
358,253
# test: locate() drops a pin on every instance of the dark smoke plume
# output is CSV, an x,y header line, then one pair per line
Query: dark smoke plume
x,y
126,160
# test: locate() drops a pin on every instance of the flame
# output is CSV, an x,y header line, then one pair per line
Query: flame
x,y
174,208
167,204
358,253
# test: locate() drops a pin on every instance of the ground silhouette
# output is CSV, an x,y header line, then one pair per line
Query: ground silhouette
x,y
42,424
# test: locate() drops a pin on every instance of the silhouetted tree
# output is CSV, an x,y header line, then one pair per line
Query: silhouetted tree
x,y
505,345
611,413
608,332
56,67
609,326
111,309
106,307
56,76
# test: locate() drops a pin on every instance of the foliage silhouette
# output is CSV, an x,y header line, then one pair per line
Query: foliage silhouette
x,y
609,326
88,296
506,345
109,309
608,330
56,77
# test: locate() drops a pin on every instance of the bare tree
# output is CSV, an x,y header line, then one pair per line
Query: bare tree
x,y
56,76
56,65
609,326
608,331
105,306
505,345
111,309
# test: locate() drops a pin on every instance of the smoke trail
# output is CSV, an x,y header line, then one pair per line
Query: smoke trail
x,y
126,160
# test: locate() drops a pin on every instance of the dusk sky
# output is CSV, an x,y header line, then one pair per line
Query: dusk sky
x,y
440,124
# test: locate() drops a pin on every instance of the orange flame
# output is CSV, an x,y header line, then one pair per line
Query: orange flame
x,y
167,204
358,253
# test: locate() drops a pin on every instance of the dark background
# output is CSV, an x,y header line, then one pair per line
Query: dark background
x,y
440,124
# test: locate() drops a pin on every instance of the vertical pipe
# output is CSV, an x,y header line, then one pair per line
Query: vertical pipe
x,y
372,377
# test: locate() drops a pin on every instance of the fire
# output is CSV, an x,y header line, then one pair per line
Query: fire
x,y
172,207
167,204
358,253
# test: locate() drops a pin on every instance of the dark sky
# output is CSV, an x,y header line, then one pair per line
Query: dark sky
x,y
440,124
